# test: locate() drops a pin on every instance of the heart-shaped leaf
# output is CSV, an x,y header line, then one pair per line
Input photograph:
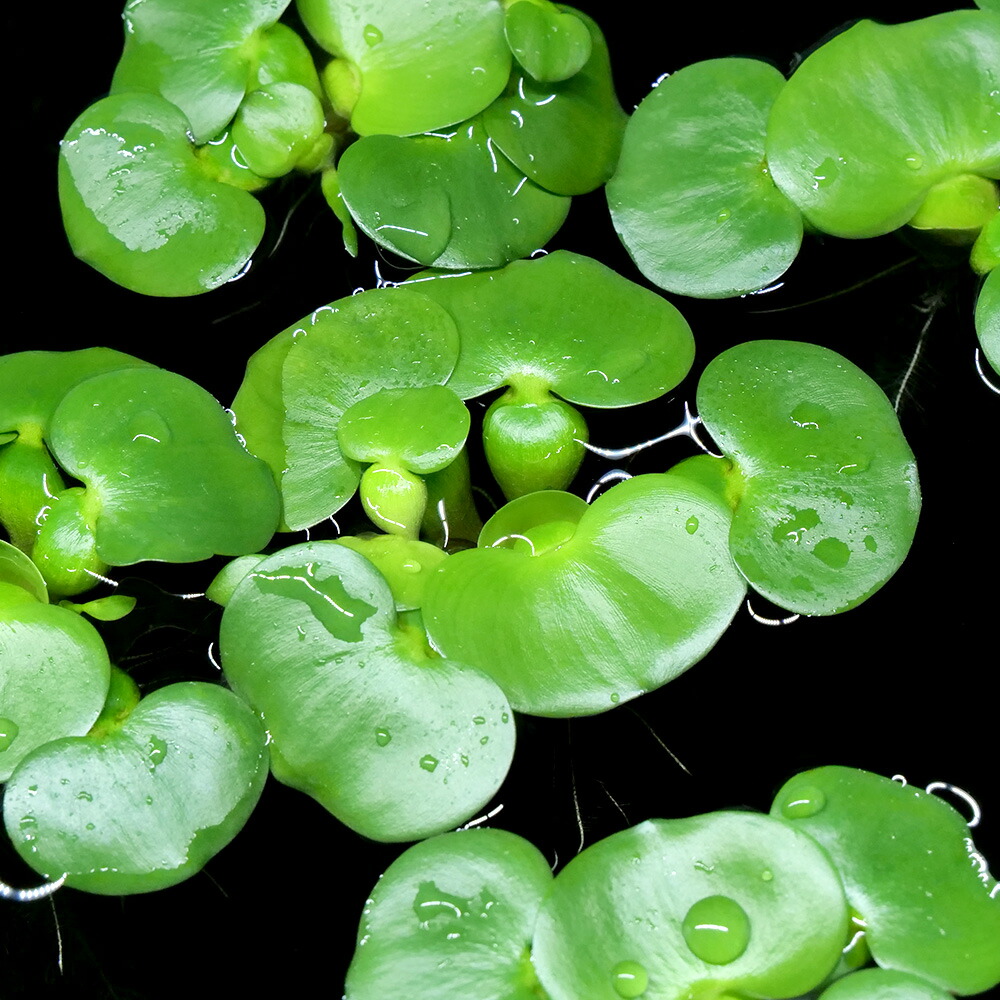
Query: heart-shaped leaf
x,y
826,483
298,386
565,136
395,741
140,207
692,198
448,200
420,67
54,678
149,803
452,916
199,56
615,602
166,476
716,905
552,43
879,115
904,856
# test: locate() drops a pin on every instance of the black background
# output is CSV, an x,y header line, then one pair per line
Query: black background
x,y
907,683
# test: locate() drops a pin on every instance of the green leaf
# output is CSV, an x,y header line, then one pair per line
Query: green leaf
x,y
198,56
883,984
988,318
594,597
277,127
112,608
452,917
565,136
17,569
146,805
421,66
692,198
909,868
166,476
829,498
720,904
594,337
451,200
552,43
140,207
395,741
405,564
986,250
54,678
342,353
879,115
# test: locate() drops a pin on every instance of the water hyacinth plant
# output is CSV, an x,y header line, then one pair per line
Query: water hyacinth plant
x,y
859,688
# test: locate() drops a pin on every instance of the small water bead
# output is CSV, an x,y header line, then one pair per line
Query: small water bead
x,y
372,35
766,875
691,525
629,979
383,737
914,161
8,732
723,216
716,929
428,762
805,802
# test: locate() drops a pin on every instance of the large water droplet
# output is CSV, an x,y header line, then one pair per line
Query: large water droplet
x,y
383,737
716,929
8,732
428,762
149,427
372,35
803,802
156,750
791,528
809,416
826,173
833,552
629,979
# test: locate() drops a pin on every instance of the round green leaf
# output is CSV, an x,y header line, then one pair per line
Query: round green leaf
x,y
146,805
297,389
452,917
692,198
166,476
421,66
883,984
452,200
552,43
139,206
277,127
395,741
707,906
988,318
614,605
829,499
422,428
909,868
17,569
54,679
565,136
879,115
199,56
589,334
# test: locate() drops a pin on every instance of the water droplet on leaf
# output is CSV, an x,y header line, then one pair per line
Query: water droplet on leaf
x,y
629,979
805,802
716,929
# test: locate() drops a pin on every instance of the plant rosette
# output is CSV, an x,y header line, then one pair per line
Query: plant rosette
x,y
145,803
394,740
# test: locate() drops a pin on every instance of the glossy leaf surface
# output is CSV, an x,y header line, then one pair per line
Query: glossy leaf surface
x,y
565,136
405,564
589,334
54,675
937,920
829,502
453,917
420,66
573,618
395,741
988,318
140,208
692,198
451,200
552,43
277,127
198,56
725,903
17,569
146,805
881,113
883,984
165,474
299,385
